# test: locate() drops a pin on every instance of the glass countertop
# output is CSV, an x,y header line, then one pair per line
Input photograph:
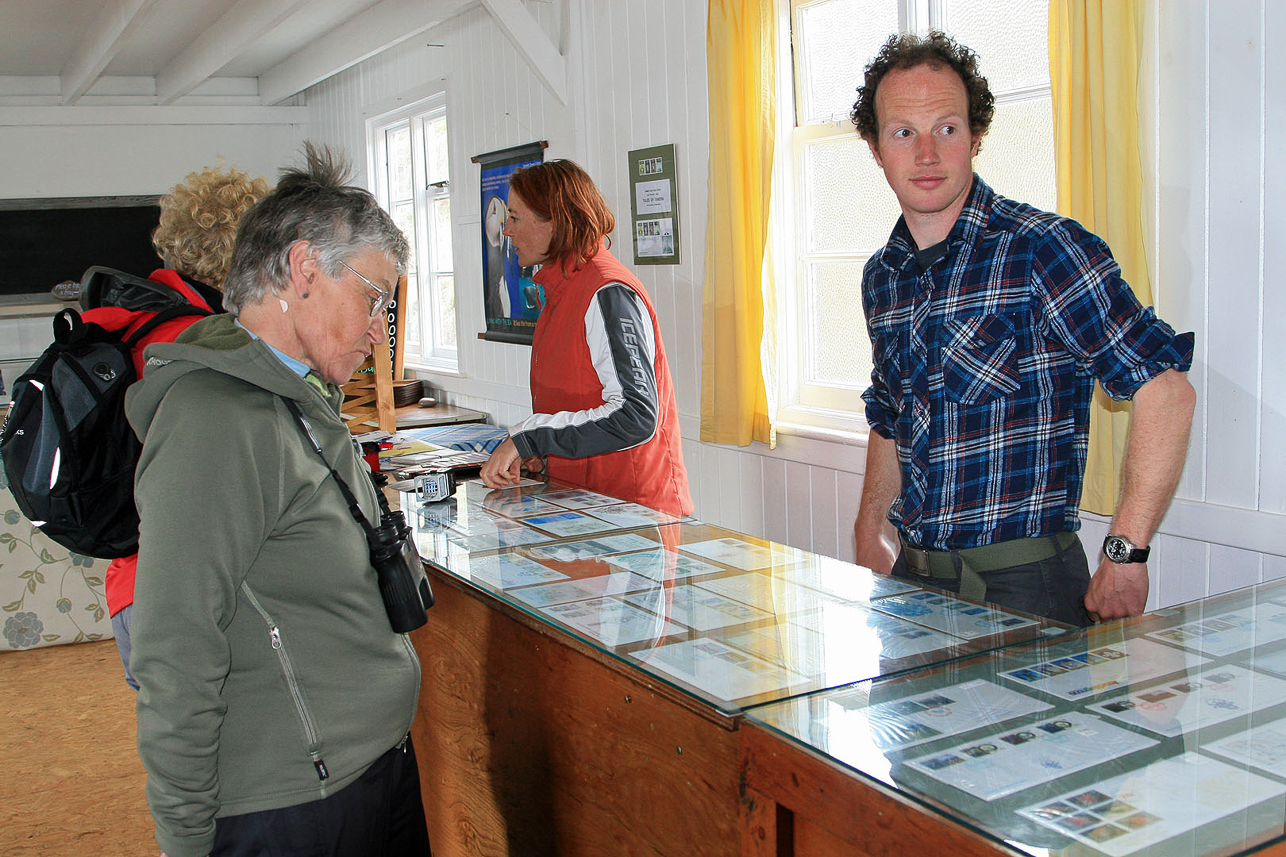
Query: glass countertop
x,y
729,619
1161,735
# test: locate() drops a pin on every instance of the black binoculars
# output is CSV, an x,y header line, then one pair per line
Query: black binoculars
x,y
404,587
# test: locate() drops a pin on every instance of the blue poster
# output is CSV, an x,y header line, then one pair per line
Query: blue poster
x,y
511,301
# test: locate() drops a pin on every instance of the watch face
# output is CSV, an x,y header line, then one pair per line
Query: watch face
x,y
1116,548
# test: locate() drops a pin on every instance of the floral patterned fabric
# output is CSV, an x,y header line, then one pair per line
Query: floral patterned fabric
x,y
48,595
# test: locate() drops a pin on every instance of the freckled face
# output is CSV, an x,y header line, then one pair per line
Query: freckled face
x,y
336,331
528,232
924,146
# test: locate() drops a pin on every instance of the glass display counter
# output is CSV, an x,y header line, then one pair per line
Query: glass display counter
x,y
1162,735
729,619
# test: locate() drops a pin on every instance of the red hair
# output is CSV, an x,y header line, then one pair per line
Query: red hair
x,y
561,192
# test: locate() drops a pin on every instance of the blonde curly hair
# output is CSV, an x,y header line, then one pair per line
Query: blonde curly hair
x,y
199,221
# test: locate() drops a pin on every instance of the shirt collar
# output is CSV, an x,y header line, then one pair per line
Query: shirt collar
x,y
297,366
899,252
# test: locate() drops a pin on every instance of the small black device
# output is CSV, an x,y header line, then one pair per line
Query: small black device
x,y
435,487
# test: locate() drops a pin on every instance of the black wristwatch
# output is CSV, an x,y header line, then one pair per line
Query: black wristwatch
x,y
1119,549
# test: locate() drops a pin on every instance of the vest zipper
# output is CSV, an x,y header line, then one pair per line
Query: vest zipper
x,y
296,693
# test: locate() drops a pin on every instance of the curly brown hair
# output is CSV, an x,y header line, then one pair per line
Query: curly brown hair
x,y
561,191
199,221
937,49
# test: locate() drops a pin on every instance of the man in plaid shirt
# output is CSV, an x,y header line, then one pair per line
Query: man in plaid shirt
x,y
990,322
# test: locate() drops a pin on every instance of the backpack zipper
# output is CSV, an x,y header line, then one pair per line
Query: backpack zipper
x,y
305,717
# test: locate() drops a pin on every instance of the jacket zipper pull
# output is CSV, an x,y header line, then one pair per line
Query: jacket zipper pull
x,y
274,634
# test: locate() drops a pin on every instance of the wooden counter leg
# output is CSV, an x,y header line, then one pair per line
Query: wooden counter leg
x,y
766,826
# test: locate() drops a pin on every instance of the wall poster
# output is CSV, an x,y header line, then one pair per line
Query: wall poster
x,y
511,301
654,205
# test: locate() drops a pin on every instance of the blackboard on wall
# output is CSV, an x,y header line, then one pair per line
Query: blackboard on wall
x,y
46,241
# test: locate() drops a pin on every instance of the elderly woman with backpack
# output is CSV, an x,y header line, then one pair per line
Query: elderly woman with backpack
x,y
276,691
198,223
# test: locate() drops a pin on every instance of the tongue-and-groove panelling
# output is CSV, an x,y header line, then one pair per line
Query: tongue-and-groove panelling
x,y
636,77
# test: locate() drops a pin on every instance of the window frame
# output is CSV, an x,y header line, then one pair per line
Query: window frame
x,y
804,407
429,354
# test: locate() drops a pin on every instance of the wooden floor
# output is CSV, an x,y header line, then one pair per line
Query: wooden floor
x,y
70,779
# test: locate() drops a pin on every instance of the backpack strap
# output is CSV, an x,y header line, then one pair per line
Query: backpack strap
x,y
159,319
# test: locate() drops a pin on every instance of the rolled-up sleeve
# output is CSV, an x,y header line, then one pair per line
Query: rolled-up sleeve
x,y
1087,306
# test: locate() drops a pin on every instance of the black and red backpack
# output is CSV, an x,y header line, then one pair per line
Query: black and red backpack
x,y
67,449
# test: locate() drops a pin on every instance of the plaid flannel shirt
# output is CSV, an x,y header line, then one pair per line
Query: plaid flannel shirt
x,y
986,362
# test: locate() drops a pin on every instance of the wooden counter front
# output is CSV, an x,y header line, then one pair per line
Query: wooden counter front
x,y
797,803
532,743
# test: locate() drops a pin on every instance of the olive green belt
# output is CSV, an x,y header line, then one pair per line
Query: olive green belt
x,y
982,559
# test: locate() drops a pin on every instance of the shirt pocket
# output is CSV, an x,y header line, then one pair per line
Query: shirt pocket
x,y
978,361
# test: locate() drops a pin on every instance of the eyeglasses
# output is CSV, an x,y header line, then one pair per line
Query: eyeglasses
x,y
379,304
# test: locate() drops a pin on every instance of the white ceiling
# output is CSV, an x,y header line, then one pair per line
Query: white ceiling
x,y
67,52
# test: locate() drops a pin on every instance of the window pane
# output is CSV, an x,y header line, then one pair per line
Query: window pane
x,y
412,332
435,150
1017,156
399,162
404,217
838,347
835,42
1010,38
442,260
445,286
849,206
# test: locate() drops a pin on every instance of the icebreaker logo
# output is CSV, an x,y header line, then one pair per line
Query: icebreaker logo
x,y
632,346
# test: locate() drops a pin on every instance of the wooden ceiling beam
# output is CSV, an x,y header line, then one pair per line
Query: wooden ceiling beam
x,y
238,28
117,20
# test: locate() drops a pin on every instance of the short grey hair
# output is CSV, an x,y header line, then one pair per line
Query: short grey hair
x,y
316,204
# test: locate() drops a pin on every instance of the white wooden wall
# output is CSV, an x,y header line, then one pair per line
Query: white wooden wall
x,y
636,75
136,150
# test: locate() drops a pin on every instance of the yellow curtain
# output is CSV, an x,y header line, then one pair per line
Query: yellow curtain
x,y
1094,55
741,62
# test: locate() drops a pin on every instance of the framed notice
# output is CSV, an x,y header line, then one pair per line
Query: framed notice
x,y
510,300
654,205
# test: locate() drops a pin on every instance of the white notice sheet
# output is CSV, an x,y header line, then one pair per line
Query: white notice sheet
x,y
1231,632
719,669
1124,814
953,615
611,622
947,711
577,498
498,539
545,594
505,571
1262,747
704,611
662,564
744,555
1038,753
1182,705
591,548
845,581
566,524
1116,665
518,505
631,515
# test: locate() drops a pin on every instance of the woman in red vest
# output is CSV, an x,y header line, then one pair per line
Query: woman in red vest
x,y
603,401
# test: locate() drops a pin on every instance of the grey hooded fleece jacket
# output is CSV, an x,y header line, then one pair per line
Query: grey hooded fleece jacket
x,y
269,674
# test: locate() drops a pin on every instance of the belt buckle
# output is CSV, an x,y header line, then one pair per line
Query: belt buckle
x,y
917,560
